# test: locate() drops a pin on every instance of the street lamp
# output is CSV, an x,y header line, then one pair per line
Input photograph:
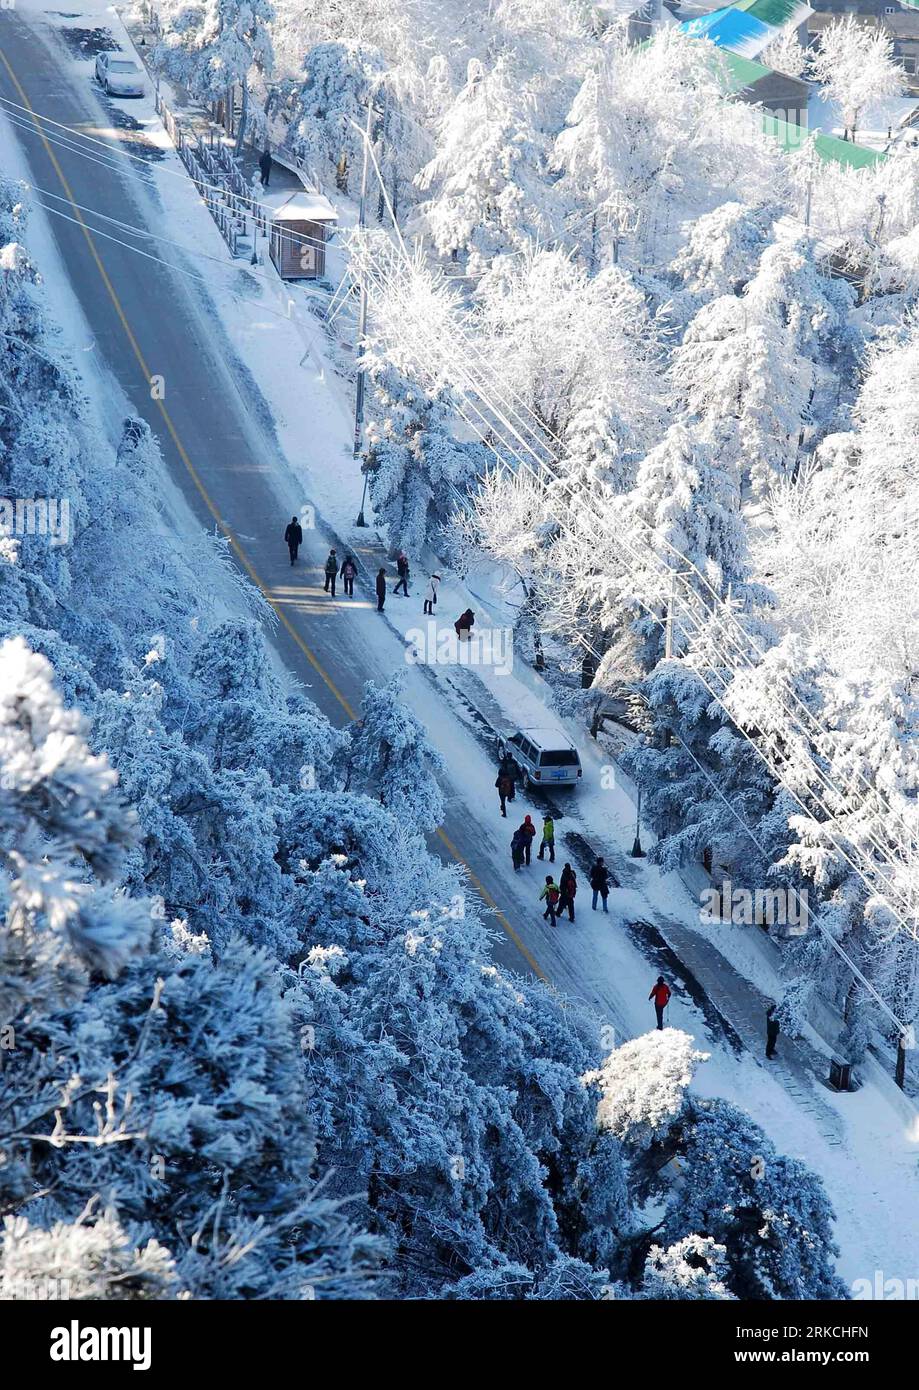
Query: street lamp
x,y
637,852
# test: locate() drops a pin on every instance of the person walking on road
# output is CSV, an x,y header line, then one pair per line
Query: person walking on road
x,y
517,849
548,839
294,538
402,567
660,993
505,785
772,1032
430,602
381,589
551,895
528,831
348,571
599,882
464,624
264,163
567,887
331,572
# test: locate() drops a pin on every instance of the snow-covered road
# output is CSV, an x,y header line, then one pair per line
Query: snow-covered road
x,y
136,319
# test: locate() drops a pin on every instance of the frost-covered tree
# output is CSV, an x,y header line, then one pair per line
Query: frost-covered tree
x,y
752,1223
325,107
722,250
786,54
855,67
392,757
217,46
62,824
790,322
651,130
91,1258
416,465
769,1212
694,1267
464,1114
485,185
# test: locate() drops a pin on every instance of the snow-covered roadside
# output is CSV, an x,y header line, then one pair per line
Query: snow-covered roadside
x,y
598,952
106,403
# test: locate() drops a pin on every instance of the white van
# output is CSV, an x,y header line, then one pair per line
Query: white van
x,y
544,757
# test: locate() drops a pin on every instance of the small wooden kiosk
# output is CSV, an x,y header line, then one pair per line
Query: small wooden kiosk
x,y
299,224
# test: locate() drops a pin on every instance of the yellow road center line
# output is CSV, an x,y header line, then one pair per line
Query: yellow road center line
x,y
224,528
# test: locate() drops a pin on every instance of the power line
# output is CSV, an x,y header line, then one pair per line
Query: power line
x,y
169,265
827,934
816,730
133,230
109,155
774,767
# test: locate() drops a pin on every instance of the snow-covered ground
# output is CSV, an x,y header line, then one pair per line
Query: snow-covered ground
x,y
865,1143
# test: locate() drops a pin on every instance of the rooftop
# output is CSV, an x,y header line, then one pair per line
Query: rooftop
x,y
749,26
299,205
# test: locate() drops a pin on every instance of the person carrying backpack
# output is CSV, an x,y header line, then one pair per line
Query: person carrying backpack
x,y
528,831
599,882
517,850
660,993
551,895
348,571
331,572
548,839
567,887
505,784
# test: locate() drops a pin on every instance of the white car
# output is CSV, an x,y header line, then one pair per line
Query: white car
x,y
544,757
118,75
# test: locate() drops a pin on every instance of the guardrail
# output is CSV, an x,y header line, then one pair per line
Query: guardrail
x,y
217,179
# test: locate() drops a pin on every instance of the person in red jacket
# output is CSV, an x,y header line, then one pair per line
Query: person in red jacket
x,y
661,996
529,830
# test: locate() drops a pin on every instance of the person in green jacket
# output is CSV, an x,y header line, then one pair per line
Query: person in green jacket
x,y
551,895
548,839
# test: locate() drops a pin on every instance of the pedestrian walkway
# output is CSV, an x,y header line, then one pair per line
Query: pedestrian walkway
x,y
799,1065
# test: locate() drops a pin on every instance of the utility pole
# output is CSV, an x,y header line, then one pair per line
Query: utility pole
x,y
362,314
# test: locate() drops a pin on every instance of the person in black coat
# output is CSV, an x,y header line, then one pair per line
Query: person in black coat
x,y
294,538
381,589
772,1032
402,567
568,887
505,784
599,882
348,571
264,163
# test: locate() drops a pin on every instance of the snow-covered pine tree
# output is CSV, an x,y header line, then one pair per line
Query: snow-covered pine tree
x,y
391,757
